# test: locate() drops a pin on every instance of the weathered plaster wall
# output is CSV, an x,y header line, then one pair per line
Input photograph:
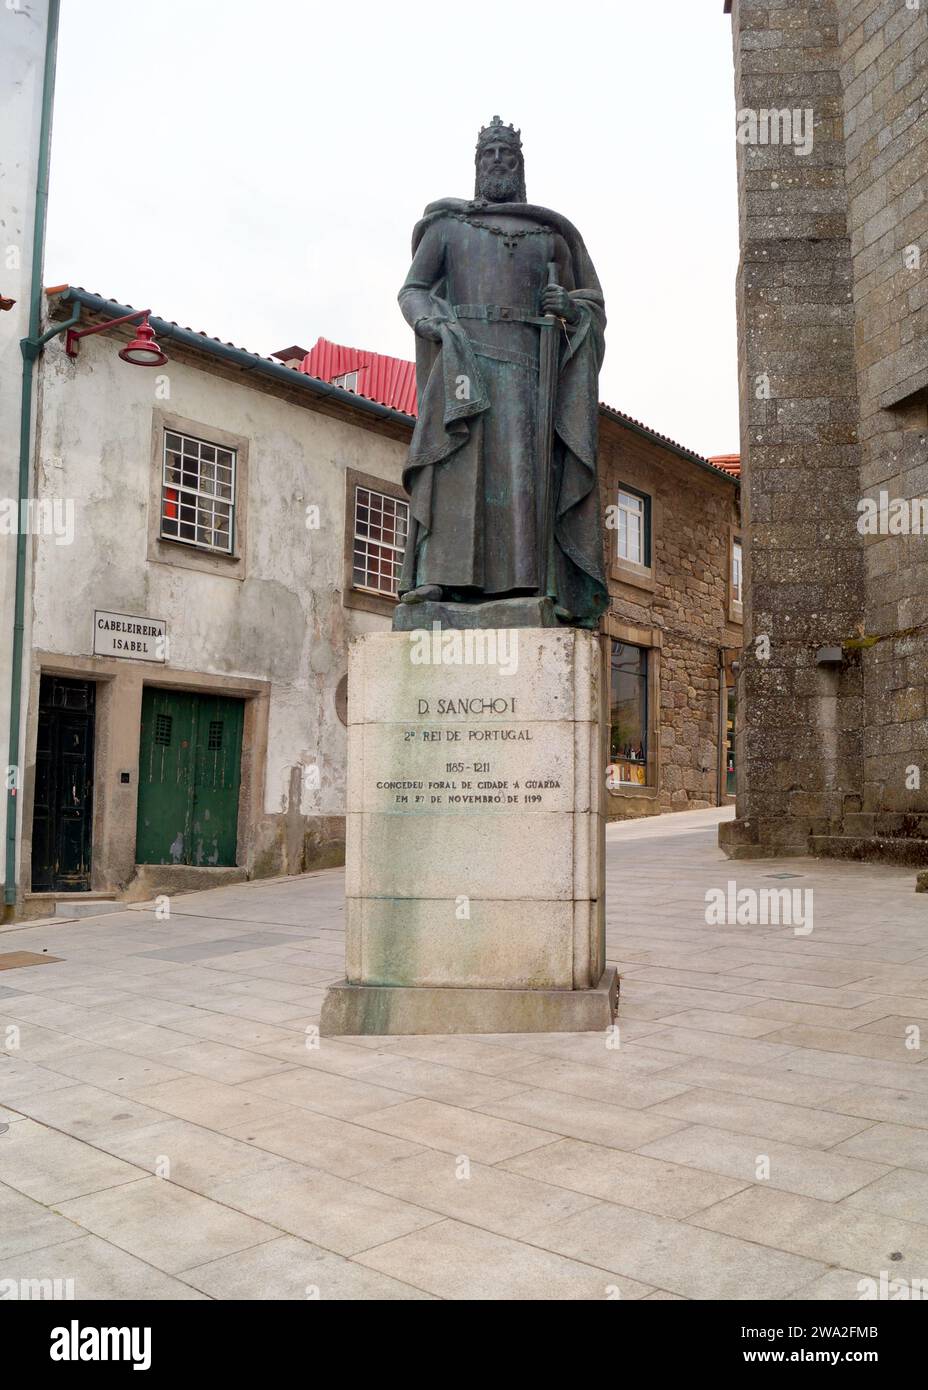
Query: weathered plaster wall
x,y
281,622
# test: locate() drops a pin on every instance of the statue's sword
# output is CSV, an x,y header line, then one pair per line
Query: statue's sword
x,y
547,395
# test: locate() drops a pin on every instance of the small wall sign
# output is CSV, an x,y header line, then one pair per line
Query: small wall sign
x,y
137,639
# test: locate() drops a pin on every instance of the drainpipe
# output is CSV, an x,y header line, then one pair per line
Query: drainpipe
x,y
723,732
30,347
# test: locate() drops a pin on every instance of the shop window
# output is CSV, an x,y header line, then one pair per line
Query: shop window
x,y
628,748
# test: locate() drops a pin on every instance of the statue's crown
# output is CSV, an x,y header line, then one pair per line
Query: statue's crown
x,y
497,131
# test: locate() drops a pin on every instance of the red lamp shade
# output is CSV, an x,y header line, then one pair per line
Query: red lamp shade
x,y
144,351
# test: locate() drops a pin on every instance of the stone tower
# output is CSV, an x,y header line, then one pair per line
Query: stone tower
x,y
832,293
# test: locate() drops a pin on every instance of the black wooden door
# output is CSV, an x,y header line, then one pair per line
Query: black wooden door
x,y
62,818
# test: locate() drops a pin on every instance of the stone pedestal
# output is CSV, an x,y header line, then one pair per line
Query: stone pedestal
x,y
475,839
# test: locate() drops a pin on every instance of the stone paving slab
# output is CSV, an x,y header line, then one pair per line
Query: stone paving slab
x,y
165,1225
288,1268
459,1261
177,1129
88,1267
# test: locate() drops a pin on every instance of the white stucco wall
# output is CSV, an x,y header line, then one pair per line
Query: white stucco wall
x,y
285,622
23,31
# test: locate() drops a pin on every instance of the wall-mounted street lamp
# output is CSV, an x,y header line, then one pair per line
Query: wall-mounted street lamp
x,y
143,351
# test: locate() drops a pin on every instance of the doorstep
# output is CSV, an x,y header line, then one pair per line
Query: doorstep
x,y
43,905
151,880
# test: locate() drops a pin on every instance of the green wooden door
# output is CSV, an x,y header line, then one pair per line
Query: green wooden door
x,y
190,754
217,772
165,777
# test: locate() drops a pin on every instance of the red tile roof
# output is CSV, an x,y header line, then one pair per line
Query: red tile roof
x,y
389,380
729,463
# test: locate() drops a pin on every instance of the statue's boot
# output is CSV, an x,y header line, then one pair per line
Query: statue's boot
x,y
424,594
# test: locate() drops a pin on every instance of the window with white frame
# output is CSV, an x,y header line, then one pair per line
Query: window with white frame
x,y
197,492
380,527
348,381
634,529
736,571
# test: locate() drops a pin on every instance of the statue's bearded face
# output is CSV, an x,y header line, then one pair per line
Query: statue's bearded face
x,y
499,173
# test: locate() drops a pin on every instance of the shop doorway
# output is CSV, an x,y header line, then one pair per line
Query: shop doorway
x,y
190,757
62,816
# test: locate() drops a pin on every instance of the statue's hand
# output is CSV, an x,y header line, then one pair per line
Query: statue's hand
x,y
429,328
555,300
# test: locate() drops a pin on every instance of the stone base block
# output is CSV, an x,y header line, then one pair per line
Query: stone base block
x,y
874,849
754,839
494,613
474,874
404,1009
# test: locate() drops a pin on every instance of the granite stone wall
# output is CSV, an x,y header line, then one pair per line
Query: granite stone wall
x,y
884,76
833,366
679,608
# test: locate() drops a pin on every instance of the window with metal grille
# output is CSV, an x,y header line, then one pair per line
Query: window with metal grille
x,y
197,492
163,729
380,526
214,739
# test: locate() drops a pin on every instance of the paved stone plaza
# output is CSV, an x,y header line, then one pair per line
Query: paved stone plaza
x,y
171,1135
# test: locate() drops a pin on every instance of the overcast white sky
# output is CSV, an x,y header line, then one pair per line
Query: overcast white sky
x,y
255,170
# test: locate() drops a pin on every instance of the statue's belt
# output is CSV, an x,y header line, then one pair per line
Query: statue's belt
x,y
507,354
500,313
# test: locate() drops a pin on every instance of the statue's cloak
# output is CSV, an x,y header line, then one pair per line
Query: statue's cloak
x,y
444,420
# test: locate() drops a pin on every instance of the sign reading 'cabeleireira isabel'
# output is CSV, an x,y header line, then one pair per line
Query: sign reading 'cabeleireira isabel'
x,y
138,639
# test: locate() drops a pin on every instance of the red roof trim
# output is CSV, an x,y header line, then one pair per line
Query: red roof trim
x,y
389,380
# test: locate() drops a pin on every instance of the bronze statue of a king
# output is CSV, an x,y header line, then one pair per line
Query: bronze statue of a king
x,y
509,318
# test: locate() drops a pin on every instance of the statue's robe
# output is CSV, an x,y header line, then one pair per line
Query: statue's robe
x,y
473,462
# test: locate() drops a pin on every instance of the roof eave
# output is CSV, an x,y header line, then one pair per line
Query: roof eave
x,y
277,371
241,357
673,448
